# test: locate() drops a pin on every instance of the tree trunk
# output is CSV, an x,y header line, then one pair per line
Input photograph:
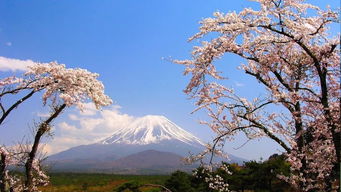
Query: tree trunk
x,y
43,128
2,172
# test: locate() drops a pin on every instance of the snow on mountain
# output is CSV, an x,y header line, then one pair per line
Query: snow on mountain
x,y
151,129
150,144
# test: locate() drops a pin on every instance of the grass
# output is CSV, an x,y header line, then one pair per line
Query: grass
x,y
97,182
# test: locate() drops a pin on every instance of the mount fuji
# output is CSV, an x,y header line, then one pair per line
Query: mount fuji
x,y
148,145
151,129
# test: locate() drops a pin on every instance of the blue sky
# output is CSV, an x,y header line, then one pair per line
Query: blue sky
x,y
124,41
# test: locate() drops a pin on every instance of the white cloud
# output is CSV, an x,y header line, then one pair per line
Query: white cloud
x,y
46,149
238,84
66,127
87,127
9,44
9,64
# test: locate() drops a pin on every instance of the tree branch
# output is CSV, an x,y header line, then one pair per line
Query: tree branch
x,y
4,115
43,128
267,132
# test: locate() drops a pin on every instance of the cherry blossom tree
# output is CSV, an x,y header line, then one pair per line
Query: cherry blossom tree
x,y
288,50
61,88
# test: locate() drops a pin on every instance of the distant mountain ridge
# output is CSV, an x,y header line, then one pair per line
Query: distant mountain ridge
x,y
149,145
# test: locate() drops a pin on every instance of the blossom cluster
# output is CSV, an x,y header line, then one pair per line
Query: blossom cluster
x,y
214,181
13,181
61,87
289,51
9,81
73,86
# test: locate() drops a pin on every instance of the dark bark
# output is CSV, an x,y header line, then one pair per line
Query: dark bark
x,y
335,175
43,128
322,73
2,172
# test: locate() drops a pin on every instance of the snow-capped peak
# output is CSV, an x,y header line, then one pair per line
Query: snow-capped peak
x,y
151,129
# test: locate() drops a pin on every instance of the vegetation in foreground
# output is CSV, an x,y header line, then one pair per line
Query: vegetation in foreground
x,y
251,177
96,182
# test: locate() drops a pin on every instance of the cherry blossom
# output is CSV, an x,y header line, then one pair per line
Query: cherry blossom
x,y
289,51
62,87
74,86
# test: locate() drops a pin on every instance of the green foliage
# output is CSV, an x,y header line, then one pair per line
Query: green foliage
x,y
131,186
98,182
179,182
262,176
259,176
102,179
198,183
254,176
